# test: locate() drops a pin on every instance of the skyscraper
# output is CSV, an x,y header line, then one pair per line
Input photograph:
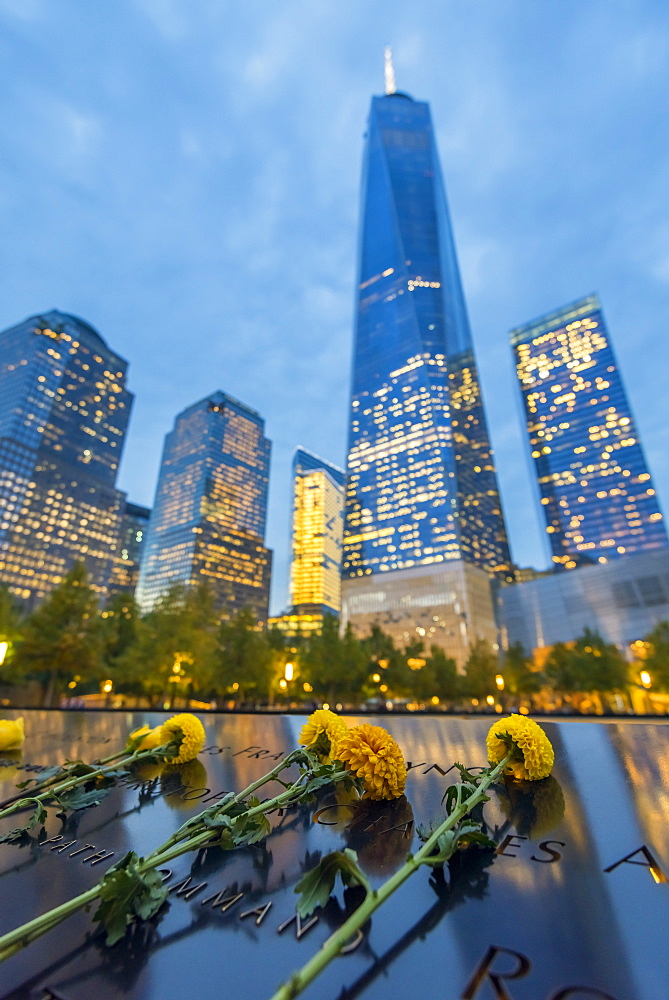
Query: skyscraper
x,y
422,490
597,495
318,508
64,411
132,537
208,519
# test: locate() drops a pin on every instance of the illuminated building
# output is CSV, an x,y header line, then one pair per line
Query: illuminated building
x,y
64,411
596,492
315,572
421,483
318,508
208,519
132,535
622,600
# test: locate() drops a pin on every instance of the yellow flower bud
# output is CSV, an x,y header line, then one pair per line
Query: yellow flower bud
x,y
12,734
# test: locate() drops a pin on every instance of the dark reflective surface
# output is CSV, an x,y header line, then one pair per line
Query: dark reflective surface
x,y
543,906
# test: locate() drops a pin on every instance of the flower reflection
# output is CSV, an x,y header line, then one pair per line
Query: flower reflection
x,y
178,782
9,764
533,807
381,834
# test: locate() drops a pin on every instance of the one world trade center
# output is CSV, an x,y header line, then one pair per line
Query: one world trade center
x,y
424,530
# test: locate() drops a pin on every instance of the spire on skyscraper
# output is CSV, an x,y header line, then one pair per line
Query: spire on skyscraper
x,y
388,71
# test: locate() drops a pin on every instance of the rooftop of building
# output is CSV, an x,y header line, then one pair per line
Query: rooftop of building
x,y
557,317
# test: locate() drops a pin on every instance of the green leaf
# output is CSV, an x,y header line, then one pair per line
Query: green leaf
x,y
45,775
39,815
81,798
315,887
127,893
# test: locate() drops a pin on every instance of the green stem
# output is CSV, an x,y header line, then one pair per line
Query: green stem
x,y
23,935
25,799
168,851
374,899
239,797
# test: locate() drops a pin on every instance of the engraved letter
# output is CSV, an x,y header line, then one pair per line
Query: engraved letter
x,y
436,767
354,943
166,873
507,842
554,855
181,888
300,928
483,972
53,840
649,863
62,847
411,765
262,912
88,847
97,858
219,899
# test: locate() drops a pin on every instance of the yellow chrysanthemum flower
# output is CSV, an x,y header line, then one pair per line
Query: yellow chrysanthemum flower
x,y
191,731
373,755
180,780
12,734
145,738
533,752
322,732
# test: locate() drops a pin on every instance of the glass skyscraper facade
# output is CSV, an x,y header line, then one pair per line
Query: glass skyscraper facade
x,y
132,536
64,411
422,487
318,510
208,519
597,495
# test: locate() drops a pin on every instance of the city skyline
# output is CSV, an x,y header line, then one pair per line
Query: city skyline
x,y
226,241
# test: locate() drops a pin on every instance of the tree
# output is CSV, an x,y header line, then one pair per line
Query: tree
x,y
519,679
244,658
334,665
656,661
10,628
442,675
480,671
176,639
61,637
589,664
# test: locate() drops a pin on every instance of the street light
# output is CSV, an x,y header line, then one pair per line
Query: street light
x,y
645,679
289,671
4,646
499,681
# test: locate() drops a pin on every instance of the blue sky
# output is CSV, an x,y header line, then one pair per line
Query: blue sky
x,y
184,174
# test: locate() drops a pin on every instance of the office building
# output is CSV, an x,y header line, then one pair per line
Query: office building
x,y
318,510
622,600
64,411
208,519
316,543
596,493
422,489
132,535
